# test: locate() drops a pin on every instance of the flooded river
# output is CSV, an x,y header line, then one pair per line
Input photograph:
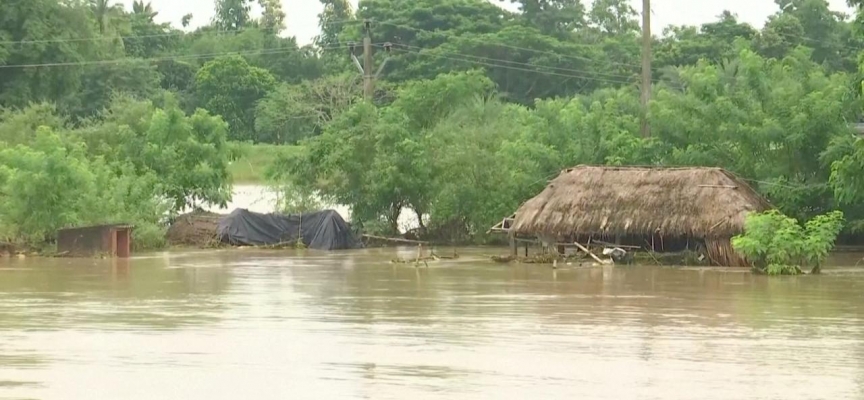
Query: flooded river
x,y
284,325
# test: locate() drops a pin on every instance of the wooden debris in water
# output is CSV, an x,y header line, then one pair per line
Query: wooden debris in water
x,y
423,258
585,249
505,259
394,240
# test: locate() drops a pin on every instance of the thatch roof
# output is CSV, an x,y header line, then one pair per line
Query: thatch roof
x,y
693,202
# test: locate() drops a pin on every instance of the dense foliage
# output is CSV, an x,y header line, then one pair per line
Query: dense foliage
x,y
476,108
136,165
779,245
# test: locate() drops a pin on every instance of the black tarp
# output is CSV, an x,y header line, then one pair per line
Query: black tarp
x,y
321,230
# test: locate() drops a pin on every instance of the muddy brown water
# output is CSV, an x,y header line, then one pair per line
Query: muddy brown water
x,y
246,324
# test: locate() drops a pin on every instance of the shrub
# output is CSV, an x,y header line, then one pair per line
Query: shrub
x,y
778,245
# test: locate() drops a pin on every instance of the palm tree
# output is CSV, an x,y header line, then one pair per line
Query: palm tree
x,y
102,11
140,8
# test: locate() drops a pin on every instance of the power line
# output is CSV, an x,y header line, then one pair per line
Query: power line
x,y
484,41
348,21
516,62
96,38
576,57
645,87
278,51
161,58
512,67
182,33
354,20
158,35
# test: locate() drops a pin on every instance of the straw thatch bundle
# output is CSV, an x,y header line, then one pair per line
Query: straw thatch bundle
x,y
684,202
197,228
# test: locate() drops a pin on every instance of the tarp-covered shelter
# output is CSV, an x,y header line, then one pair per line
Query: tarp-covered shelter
x,y
322,230
645,204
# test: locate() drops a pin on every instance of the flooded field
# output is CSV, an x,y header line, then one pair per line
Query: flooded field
x,y
275,325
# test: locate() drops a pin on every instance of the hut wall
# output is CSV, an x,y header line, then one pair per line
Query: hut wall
x,y
114,240
720,252
656,242
82,241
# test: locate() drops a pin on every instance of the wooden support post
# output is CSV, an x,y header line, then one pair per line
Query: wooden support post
x,y
514,251
583,248
368,74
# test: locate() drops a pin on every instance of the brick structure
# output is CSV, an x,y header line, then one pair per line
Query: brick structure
x,y
110,240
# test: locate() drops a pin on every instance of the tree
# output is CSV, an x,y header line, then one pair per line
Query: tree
x,y
44,187
28,76
614,18
189,154
471,188
714,42
331,20
280,56
528,66
845,155
19,126
428,23
102,82
377,161
759,109
558,18
230,87
178,77
100,10
146,38
232,15
294,112
808,23
143,9
50,184
272,17
335,165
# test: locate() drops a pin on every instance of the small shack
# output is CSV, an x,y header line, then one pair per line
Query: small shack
x,y
660,209
113,240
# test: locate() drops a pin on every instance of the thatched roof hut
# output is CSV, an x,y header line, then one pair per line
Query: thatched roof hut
x,y
703,203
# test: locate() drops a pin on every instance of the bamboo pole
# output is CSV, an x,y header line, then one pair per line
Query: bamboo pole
x,y
397,240
585,249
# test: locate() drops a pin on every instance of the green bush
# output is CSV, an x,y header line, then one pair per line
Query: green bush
x,y
51,184
137,165
778,245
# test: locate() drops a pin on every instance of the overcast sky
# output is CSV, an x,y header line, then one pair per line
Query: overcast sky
x,y
302,18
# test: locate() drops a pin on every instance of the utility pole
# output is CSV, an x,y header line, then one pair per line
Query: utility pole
x,y
646,65
368,82
368,65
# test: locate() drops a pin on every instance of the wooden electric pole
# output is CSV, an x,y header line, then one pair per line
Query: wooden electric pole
x,y
368,81
646,65
367,68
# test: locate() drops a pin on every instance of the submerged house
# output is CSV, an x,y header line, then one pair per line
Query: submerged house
x,y
660,209
114,240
